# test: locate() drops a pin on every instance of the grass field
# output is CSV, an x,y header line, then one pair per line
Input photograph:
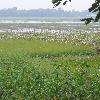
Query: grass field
x,y
43,70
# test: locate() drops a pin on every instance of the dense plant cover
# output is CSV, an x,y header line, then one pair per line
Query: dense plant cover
x,y
42,70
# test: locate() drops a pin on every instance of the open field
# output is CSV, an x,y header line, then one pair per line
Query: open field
x,y
44,66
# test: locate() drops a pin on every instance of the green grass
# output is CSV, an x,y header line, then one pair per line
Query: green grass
x,y
42,70
39,47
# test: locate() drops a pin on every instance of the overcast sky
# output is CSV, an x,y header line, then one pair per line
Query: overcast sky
x,y
35,4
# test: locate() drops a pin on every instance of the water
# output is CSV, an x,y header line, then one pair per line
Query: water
x,y
46,24
39,20
33,21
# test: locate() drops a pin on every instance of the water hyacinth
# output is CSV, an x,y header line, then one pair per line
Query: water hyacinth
x,y
50,65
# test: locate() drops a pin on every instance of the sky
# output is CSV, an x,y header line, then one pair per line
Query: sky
x,y
36,4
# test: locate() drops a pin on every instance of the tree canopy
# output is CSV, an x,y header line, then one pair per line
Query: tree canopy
x,y
95,8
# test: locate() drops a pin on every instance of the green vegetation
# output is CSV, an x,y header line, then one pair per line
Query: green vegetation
x,y
44,70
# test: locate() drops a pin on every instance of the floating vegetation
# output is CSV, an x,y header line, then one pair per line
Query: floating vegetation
x,y
51,64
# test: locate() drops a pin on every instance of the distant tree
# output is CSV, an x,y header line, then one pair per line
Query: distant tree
x,y
14,12
95,8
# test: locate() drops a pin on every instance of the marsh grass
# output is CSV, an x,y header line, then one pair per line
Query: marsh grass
x,y
44,70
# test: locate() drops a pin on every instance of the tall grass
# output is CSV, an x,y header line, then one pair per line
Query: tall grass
x,y
43,70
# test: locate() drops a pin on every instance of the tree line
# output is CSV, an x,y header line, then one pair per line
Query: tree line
x,y
14,12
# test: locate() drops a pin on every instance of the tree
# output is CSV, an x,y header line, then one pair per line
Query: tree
x,y
95,8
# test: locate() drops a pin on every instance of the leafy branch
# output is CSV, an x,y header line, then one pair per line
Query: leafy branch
x,y
95,8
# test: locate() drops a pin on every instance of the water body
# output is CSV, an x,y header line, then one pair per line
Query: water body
x,y
40,20
20,21
45,24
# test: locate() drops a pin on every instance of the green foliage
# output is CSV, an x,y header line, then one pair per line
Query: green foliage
x,y
43,70
33,69
87,20
57,2
95,8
